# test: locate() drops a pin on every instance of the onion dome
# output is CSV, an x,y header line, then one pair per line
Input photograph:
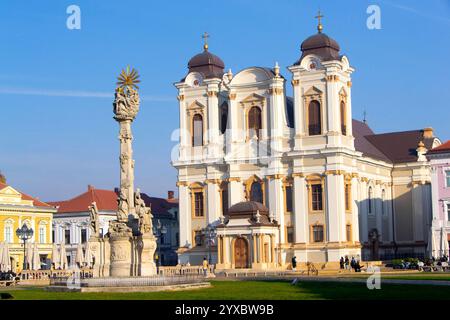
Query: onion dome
x,y
321,45
248,208
207,64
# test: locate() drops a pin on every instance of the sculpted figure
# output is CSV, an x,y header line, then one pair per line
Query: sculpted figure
x,y
93,216
144,213
122,213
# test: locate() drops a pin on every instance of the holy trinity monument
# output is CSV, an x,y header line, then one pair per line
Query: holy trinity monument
x,y
128,248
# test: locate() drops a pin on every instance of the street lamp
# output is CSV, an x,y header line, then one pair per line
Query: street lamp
x,y
24,234
210,234
159,231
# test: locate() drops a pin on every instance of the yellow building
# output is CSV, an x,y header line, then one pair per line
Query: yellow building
x,y
16,209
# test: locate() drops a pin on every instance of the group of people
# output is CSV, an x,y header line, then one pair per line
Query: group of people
x,y
350,264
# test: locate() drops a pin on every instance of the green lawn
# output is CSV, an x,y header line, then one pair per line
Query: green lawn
x,y
409,276
255,290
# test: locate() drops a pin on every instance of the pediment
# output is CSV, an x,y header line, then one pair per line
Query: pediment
x,y
10,191
196,105
253,98
313,91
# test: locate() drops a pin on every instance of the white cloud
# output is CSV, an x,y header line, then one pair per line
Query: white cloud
x,y
74,93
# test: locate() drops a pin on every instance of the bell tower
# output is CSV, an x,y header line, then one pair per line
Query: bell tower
x,y
321,81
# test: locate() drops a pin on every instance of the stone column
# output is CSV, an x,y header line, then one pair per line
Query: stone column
x,y
276,203
300,208
335,206
255,246
299,112
213,117
235,191
184,131
147,247
233,135
378,209
272,248
277,113
213,200
364,233
185,215
354,206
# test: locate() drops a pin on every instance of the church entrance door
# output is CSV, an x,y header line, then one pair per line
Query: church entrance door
x,y
240,253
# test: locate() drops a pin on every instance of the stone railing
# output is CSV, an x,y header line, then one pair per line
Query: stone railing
x,y
184,270
49,274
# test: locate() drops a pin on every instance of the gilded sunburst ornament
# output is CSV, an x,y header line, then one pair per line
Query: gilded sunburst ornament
x,y
128,79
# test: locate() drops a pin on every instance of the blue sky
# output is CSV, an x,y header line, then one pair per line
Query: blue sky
x,y
56,84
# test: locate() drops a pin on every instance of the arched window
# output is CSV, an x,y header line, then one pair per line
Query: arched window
x,y
369,200
8,235
254,122
197,130
256,193
343,119
314,118
223,117
224,198
42,234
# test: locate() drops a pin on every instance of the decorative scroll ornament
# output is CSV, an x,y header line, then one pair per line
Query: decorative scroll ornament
x,y
127,101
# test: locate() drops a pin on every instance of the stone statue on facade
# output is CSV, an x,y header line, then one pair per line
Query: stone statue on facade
x,y
94,219
144,214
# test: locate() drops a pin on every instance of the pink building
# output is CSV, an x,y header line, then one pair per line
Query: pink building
x,y
440,189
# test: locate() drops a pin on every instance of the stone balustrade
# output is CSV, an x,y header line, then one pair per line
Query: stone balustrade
x,y
49,274
184,270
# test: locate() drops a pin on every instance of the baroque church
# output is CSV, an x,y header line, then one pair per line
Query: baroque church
x,y
263,177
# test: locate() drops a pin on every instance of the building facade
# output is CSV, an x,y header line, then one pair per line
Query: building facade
x,y
440,183
71,224
331,185
17,209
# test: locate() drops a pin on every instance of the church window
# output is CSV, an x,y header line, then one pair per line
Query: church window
x,y
348,194
223,117
197,127
288,198
348,231
8,234
343,118
316,197
314,118
256,193
447,178
198,204
254,122
290,234
224,198
318,233
370,200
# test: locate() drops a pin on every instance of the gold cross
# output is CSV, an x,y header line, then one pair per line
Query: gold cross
x,y
319,18
205,37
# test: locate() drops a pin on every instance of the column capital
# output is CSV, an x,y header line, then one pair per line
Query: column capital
x,y
334,172
182,183
298,174
180,97
295,82
231,179
212,181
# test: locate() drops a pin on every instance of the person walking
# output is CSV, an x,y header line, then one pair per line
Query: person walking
x,y
205,266
341,263
347,263
353,263
294,263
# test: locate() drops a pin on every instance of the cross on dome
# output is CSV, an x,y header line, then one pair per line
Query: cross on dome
x,y
319,18
205,37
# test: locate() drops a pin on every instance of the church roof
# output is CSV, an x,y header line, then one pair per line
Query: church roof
x,y
395,147
36,202
321,45
207,64
248,208
107,201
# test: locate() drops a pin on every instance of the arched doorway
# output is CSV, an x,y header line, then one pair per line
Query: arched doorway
x,y
240,253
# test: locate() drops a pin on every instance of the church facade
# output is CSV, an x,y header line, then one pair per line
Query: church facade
x,y
279,176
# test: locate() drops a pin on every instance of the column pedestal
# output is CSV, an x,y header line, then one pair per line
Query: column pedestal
x,y
120,236
147,248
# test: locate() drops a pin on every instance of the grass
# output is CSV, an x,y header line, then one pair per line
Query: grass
x,y
255,290
408,276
